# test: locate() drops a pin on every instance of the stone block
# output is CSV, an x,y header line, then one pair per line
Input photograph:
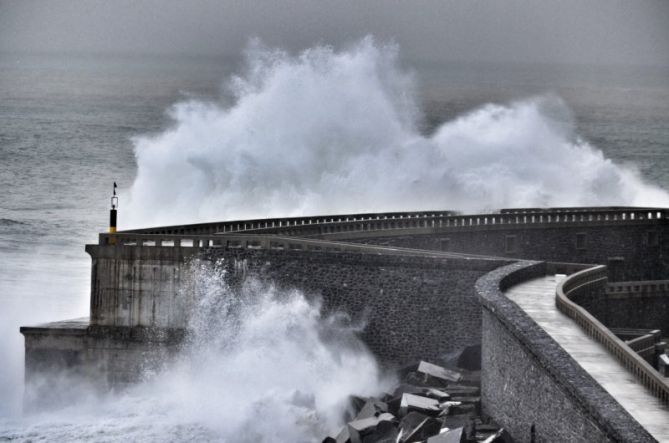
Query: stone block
x,y
456,420
358,429
464,408
456,435
459,390
470,358
367,411
411,420
426,428
435,394
465,401
386,432
447,406
394,405
356,403
344,436
500,436
437,374
424,405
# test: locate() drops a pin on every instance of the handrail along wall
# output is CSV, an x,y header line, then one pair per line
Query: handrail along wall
x,y
594,278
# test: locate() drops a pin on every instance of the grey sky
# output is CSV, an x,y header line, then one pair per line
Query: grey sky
x,y
572,31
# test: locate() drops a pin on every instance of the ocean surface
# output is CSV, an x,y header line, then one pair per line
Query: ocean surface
x,y
67,126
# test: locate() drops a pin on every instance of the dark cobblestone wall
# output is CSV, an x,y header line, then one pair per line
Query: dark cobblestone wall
x,y
643,248
637,311
528,379
519,393
414,307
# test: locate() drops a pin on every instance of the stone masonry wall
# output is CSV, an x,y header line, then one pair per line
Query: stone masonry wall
x,y
529,380
533,398
643,248
414,307
636,311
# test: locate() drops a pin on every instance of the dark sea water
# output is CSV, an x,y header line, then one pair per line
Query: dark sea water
x,y
66,130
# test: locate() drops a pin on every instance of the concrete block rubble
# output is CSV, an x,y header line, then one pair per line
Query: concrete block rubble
x,y
431,404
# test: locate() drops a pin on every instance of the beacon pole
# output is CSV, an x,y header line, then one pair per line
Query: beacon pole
x,y
112,215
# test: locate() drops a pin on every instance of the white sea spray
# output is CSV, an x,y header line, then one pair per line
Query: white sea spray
x,y
330,131
259,364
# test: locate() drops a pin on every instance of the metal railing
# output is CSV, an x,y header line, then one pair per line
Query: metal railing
x,y
644,345
580,209
289,222
268,242
638,288
392,221
596,277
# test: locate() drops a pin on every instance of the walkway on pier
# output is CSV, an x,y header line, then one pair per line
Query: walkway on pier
x,y
537,298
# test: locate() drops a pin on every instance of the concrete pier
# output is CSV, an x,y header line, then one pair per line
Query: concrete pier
x,y
537,298
415,277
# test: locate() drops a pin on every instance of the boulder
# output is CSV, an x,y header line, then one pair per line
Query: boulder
x,y
435,394
437,374
446,407
411,420
490,428
470,379
500,436
417,379
463,408
456,420
425,429
343,436
386,432
407,388
424,405
356,403
470,358
473,401
367,411
394,405
460,390
485,430
358,429
386,396
456,435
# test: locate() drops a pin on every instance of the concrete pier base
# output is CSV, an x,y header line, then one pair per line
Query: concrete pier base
x,y
69,358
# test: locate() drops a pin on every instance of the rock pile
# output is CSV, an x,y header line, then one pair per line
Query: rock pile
x,y
432,404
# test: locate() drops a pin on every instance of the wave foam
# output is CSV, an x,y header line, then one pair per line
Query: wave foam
x,y
336,132
259,365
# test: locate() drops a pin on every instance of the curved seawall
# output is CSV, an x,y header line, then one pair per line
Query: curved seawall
x,y
531,382
422,284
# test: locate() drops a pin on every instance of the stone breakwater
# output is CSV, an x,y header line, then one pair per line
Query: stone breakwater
x,y
424,284
431,404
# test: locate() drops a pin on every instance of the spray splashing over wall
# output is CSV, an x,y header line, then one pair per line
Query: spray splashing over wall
x,y
337,132
259,365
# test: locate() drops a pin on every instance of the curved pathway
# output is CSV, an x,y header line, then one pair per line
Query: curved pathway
x,y
537,298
